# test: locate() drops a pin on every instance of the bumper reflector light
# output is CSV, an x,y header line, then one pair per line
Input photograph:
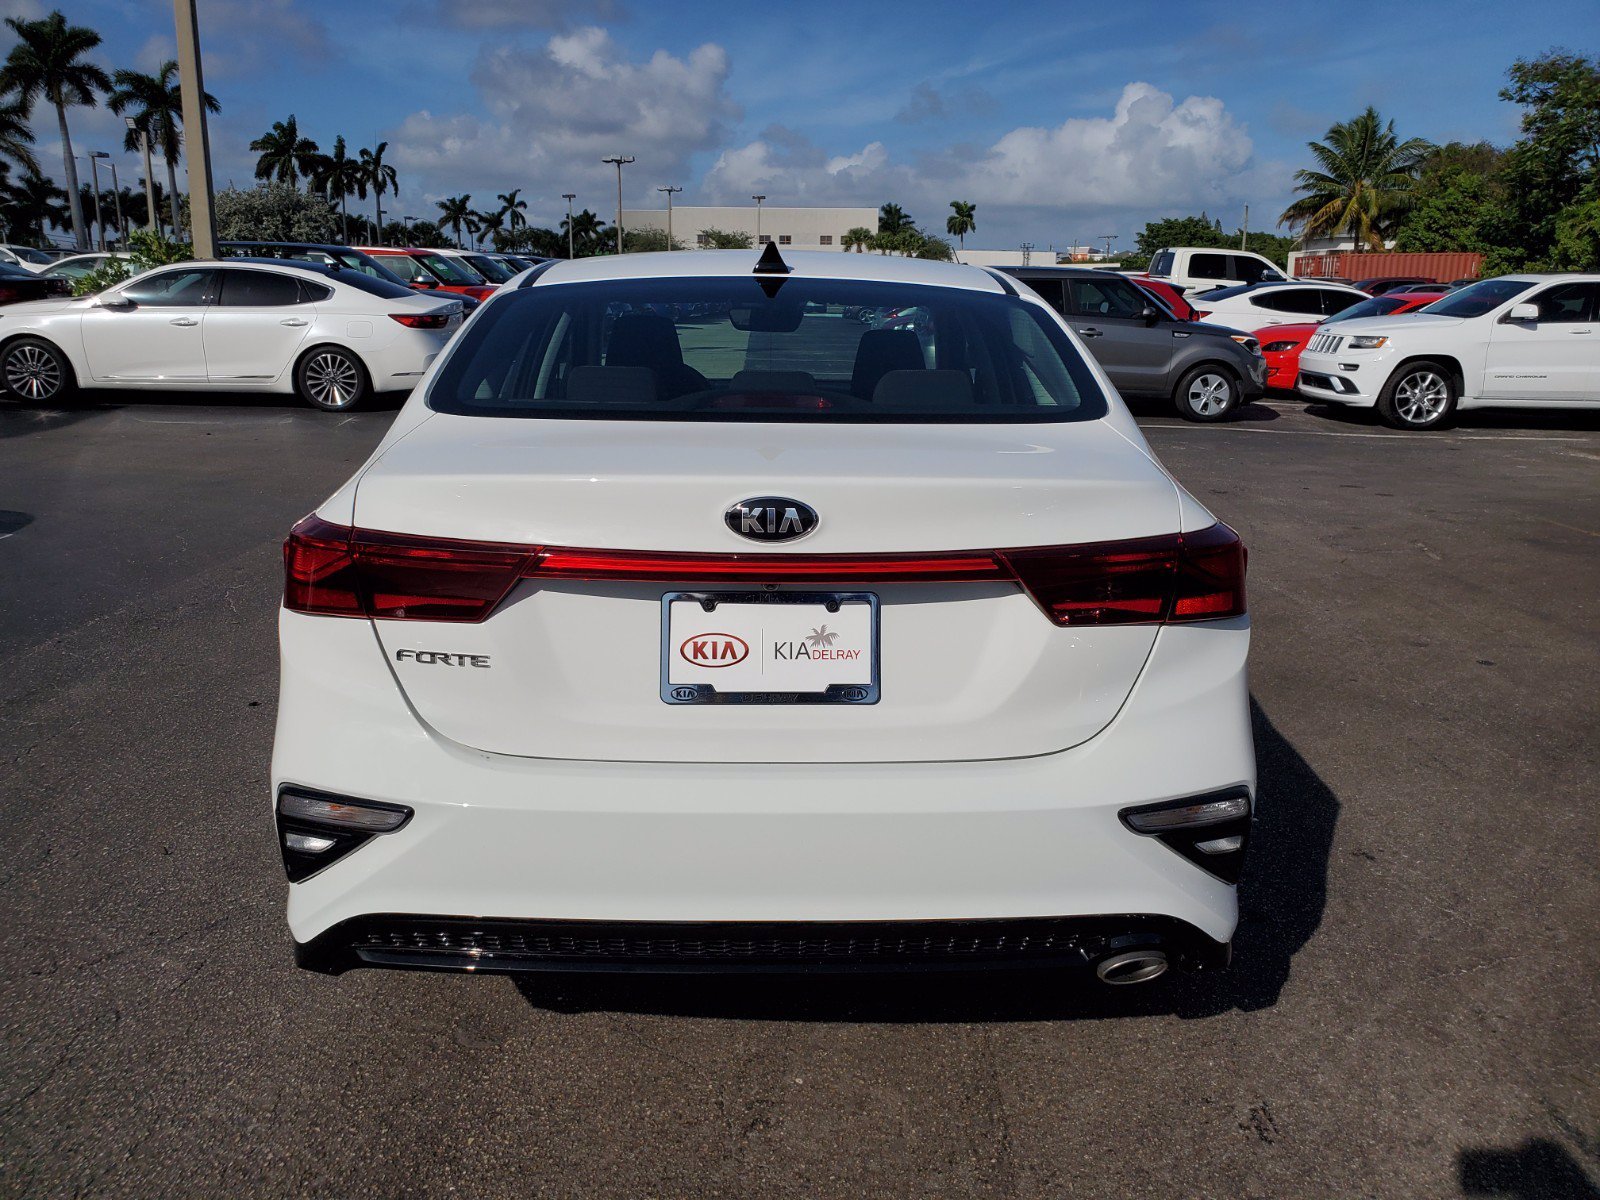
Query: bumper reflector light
x,y
1209,831
316,829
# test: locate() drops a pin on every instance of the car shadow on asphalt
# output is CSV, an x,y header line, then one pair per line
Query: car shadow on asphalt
x,y
1251,413
18,420
1538,1169
1542,420
1281,901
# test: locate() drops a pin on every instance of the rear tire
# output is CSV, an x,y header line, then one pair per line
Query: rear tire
x,y
1206,394
35,372
332,379
1420,395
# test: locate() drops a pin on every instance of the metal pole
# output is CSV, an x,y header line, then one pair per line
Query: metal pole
x,y
620,160
569,197
669,191
116,190
99,218
758,200
1244,232
149,176
202,223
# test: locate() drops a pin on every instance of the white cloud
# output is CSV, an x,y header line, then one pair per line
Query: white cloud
x,y
1150,155
554,113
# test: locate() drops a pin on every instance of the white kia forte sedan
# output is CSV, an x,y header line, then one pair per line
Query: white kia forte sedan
x,y
681,622
330,336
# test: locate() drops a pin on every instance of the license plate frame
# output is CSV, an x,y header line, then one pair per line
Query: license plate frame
x,y
704,693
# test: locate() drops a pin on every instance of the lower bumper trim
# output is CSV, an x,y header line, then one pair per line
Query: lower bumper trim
x,y
471,944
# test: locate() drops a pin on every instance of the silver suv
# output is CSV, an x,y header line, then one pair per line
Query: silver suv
x,y
1207,371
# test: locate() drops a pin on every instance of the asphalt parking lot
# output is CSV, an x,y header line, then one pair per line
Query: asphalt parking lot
x,y
1412,1011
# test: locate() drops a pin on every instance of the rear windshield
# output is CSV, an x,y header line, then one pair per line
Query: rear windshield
x,y
491,270
1161,264
451,270
1478,299
723,350
371,284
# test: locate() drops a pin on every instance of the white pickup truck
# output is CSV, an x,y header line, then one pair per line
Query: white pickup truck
x,y
1194,269
1519,341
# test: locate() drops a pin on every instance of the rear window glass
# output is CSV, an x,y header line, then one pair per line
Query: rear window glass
x,y
723,350
1378,306
372,285
451,270
1161,264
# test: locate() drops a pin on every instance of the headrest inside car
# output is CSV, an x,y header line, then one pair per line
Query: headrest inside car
x,y
932,391
626,387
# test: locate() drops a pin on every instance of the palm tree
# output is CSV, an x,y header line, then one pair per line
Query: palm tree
x,y
37,200
892,219
456,211
16,139
284,154
491,223
47,62
380,177
1364,184
587,230
157,101
962,221
513,209
338,174
858,238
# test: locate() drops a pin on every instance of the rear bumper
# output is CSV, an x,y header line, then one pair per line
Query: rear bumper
x,y
465,944
502,846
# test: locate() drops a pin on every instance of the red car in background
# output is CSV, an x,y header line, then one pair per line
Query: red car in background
x,y
1170,296
427,270
1281,344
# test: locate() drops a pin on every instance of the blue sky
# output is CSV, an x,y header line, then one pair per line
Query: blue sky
x,y
1060,120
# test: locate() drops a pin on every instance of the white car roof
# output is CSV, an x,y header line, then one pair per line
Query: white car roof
x,y
803,264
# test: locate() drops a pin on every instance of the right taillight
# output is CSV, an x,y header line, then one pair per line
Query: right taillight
x,y
1177,577
333,570
421,320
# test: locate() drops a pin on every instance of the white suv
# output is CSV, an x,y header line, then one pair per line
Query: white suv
x,y
1519,341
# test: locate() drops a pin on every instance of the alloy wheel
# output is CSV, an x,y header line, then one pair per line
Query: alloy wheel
x,y
33,373
1210,394
1422,398
333,380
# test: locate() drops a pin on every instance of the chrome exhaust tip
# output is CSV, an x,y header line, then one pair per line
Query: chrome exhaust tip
x,y
1132,966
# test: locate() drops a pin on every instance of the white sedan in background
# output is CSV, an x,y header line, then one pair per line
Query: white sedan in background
x,y
330,336
1256,306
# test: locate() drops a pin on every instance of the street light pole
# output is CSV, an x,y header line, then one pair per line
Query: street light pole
x,y
569,197
116,190
670,191
99,218
758,200
1107,238
621,160
149,179
406,221
201,222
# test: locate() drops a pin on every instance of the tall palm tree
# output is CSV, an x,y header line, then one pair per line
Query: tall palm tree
x,y
892,219
858,239
157,101
491,223
456,212
1364,184
380,177
16,138
513,209
962,221
47,63
284,154
338,174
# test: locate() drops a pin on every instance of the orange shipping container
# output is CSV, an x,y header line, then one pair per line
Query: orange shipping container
x,y
1443,267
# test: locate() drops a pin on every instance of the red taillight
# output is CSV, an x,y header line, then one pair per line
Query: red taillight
x,y
331,570
421,320
1201,314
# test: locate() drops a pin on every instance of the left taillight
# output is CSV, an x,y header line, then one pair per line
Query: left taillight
x,y
331,570
421,320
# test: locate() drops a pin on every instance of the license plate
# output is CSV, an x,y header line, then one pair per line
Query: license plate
x,y
769,648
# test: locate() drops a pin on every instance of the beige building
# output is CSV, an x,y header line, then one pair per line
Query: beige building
x,y
800,228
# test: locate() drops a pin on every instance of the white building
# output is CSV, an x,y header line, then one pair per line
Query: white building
x,y
800,228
